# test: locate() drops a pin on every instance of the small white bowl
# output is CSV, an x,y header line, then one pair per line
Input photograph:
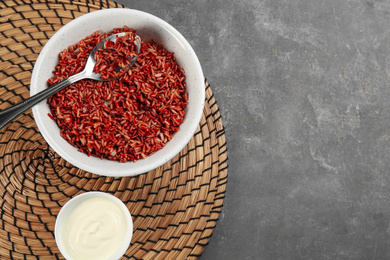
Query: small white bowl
x,y
62,226
148,27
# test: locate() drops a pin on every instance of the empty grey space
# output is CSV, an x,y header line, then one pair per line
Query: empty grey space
x,y
303,90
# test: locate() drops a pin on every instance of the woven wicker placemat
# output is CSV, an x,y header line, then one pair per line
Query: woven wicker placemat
x,y
174,207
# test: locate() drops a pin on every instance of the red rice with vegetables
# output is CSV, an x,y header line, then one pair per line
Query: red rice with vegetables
x,y
125,119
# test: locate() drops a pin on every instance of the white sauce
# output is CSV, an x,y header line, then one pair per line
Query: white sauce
x,y
95,229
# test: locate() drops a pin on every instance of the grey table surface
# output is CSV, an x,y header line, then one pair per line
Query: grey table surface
x,y
303,90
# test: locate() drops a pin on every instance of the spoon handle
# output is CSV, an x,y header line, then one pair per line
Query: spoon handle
x,y
9,114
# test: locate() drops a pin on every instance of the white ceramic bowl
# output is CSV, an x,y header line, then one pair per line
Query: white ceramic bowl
x,y
62,226
148,27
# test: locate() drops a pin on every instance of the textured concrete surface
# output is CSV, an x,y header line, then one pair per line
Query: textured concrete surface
x,y
303,89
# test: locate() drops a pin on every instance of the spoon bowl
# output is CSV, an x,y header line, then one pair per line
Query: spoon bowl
x,y
88,70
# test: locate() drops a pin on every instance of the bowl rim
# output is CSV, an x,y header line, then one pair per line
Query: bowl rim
x,y
73,202
133,168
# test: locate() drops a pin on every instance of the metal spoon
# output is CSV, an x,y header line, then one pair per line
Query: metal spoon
x,y
9,114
